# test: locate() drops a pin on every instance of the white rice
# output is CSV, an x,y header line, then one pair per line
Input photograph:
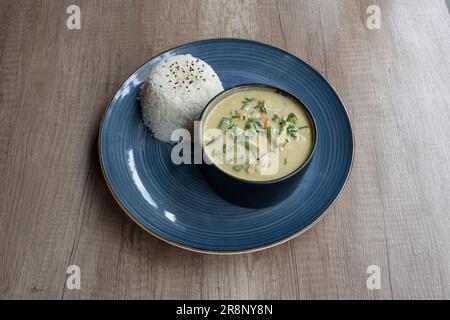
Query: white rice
x,y
175,93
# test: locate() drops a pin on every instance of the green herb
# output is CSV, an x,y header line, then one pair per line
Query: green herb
x,y
246,102
269,133
285,161
234,114
277,119
223,121
292,130
261,106
292,118
224,148
304,127
249,146
253,123
211,141
258,123
237,168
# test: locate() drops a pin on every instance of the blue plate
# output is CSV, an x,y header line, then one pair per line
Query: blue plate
x,y
174,203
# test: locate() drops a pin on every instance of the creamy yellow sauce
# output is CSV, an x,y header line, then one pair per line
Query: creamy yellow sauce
x,y
258,134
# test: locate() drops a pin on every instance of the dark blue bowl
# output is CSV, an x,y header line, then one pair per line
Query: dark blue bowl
x,y
248,193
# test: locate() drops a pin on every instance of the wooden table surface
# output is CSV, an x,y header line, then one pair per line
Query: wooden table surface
x,y
56,211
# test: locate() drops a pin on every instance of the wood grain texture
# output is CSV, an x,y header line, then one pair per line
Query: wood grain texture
x,y
55,209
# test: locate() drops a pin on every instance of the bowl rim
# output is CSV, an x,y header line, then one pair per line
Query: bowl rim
x,y
241,87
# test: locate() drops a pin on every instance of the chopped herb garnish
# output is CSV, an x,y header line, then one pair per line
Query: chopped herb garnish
x,y
258,123
224,148
304,127
246,103
261,106
292,118
254,123
249,146
285,161
277,119
238,168
292,131
223,121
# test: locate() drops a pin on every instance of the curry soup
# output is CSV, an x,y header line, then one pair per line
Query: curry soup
x,y
258,134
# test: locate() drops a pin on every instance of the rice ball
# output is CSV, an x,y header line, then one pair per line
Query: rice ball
x,y
175,93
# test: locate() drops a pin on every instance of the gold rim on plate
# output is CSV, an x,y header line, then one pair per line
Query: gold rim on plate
x,y
223,252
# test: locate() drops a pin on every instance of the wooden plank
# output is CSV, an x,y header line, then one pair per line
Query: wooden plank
x,y
55,209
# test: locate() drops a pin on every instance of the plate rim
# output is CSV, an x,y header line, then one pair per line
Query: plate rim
x,y
209,251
